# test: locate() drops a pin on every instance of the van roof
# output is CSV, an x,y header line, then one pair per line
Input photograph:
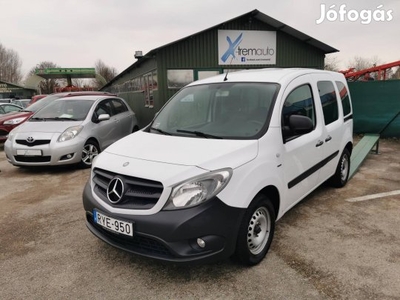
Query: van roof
x,y
277,75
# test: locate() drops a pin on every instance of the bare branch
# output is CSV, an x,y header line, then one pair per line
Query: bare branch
x,y
10,66
108,73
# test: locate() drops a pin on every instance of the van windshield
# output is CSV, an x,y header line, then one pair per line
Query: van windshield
x,y
224,110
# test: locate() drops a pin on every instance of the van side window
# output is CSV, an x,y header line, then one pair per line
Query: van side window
x,y
299,102
344,96
329,103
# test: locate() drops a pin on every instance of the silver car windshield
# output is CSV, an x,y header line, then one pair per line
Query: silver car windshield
x,y
42,102
224,110
62,110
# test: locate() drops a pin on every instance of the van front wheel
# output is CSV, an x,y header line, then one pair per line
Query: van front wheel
x,y
256,231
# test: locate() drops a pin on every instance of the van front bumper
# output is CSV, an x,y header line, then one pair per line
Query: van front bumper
x,y
173,235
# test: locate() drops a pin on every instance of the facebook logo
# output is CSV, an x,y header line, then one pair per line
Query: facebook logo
x,y
243,59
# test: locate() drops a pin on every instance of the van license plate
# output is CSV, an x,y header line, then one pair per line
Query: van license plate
x,y
112,224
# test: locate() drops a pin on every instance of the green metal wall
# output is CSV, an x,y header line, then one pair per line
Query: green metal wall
x,y
375,104
292,52
200,52
8,90
136,99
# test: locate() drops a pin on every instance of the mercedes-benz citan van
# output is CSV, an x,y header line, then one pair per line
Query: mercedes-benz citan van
x,y
221,162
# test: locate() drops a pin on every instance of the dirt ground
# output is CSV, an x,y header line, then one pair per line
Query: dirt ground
x,y
327,247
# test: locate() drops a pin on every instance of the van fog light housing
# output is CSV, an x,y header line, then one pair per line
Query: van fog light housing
x,y
198,189
201,243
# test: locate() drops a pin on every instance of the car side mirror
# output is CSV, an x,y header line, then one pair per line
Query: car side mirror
x,y
103,117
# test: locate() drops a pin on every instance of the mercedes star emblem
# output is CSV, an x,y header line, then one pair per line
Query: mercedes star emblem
x,y
115,190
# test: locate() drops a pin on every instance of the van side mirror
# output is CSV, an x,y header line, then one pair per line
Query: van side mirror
x,y
300,124
297,125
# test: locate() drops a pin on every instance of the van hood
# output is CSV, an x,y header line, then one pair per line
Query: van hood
x,y
46,126
209,154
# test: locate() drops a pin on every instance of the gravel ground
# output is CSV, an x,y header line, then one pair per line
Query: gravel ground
x,y
326,247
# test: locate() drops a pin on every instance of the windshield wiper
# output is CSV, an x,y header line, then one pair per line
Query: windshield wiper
x,y
199,133
64,119
160,131
55,118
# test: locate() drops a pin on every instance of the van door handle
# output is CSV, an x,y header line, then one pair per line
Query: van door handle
x,y
319,144
328,139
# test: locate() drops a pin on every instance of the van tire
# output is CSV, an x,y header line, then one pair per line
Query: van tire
x,y
256,231
89,151
341,176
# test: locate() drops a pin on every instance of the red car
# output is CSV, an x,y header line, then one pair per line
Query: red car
x,y
13,119
37,98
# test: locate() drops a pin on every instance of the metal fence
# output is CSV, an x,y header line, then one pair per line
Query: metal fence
x,y
376,107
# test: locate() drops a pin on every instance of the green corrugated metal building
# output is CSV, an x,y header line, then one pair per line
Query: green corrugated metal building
x,y
11,90
149,82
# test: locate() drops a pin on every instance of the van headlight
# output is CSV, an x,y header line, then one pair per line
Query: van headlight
x,y
198,189
70,133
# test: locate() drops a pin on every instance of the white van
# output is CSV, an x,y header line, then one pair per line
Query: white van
x,y
222,161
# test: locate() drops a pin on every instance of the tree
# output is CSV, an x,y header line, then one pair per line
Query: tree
x,y
331,63
10,66
47,86
78,82
84,84
396,74
108,73
361,63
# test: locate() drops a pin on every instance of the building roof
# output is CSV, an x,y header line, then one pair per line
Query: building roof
x,y
279,26
12,84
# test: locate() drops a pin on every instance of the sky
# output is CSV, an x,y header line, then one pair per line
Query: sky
x,y
77,33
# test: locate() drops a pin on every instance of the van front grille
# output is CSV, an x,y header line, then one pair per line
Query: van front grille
x,y
139,193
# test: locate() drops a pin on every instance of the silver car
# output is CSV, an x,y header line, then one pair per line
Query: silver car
x,y
5,108
70,130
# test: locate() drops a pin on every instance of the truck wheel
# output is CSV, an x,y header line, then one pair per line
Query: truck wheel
x,y
256,231
89,152
339,179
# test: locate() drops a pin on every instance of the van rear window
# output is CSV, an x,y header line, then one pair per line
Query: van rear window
x,y
328,99
344,96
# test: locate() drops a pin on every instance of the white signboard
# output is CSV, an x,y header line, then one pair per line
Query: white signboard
x,y
245,47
